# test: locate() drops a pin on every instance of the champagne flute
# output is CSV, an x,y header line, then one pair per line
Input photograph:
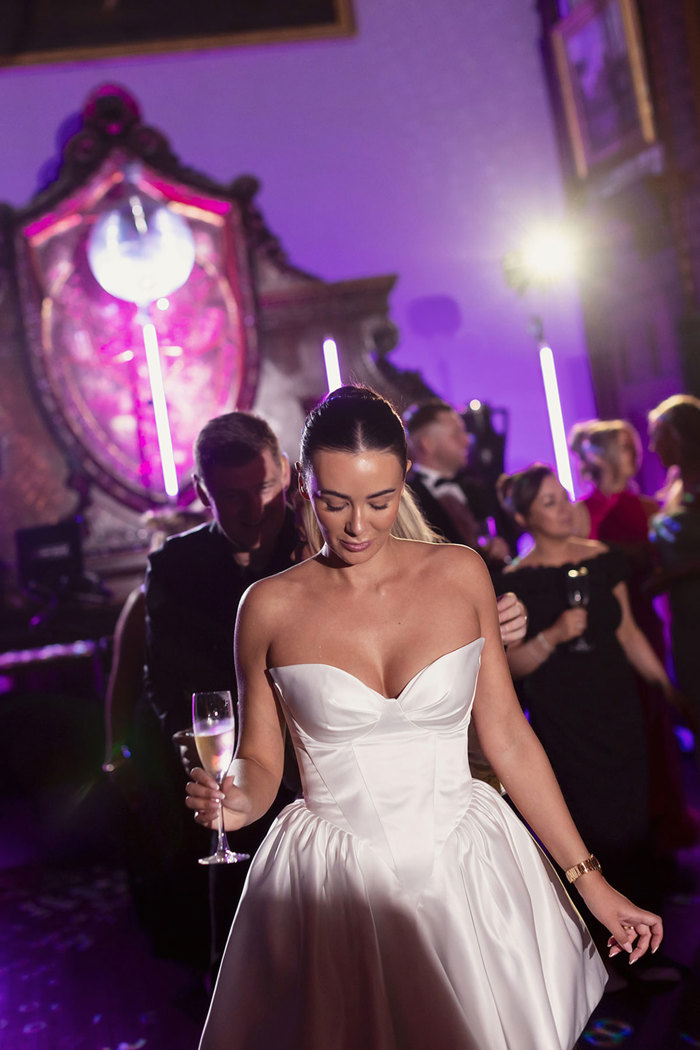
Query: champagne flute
x,y
578,594
214,735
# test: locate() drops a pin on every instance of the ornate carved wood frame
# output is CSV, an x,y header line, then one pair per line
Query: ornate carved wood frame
x,y
85,347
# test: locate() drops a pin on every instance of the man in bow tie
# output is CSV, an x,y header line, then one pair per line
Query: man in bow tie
x,y
461,508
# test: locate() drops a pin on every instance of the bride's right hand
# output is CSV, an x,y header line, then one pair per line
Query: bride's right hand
x,y
204,797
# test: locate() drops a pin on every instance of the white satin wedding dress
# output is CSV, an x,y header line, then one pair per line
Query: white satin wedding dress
x,y
401,905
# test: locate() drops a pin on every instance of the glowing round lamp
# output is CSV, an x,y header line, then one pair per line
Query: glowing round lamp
x,y
141,251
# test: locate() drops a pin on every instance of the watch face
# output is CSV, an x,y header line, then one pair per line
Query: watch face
x,y
121,382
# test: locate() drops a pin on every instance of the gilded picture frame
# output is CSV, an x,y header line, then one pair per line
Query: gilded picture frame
x,y
602,74
48,31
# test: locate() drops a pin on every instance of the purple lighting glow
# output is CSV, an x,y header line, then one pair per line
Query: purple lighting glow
x,y
160,409
330,358
556,419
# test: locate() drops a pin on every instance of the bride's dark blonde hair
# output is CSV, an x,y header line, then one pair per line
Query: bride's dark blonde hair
x,y
358,419
353,419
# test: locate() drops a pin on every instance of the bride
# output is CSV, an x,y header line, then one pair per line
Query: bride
x,y
400,903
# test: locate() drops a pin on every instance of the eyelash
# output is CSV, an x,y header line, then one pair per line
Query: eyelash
x,y
373,506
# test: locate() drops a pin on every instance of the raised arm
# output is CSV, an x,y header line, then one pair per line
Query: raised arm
x,y
256,771
523,768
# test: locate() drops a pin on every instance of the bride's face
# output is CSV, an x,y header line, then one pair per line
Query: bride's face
x,y
355,497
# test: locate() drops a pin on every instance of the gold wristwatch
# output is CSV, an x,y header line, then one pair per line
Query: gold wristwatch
x,y
591,863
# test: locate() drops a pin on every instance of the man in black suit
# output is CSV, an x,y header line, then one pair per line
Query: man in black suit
x,y
460,506
463,509
194,584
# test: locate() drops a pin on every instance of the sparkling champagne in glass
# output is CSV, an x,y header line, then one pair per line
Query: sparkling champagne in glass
x,y
578,593
215,737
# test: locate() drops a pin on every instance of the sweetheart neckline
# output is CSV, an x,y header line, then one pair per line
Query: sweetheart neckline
x,y
389,699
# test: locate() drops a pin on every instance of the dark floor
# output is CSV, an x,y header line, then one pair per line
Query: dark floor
x,y
76,972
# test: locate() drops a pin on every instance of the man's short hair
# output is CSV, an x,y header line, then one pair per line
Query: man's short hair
x,y
233,440
425,412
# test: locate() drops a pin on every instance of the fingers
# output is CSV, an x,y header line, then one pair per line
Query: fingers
x,y
510,608
201,777
512,618
643,941
507,605
203,797
636,937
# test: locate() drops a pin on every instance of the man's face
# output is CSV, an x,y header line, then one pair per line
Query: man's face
x,y
248,502
447,439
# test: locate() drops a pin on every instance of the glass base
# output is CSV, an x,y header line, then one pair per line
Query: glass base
x,y
224,857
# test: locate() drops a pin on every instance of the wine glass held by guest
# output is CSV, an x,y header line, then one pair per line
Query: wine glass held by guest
x,y
578,595
369,652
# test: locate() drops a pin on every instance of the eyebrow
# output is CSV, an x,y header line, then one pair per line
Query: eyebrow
x,y
342,495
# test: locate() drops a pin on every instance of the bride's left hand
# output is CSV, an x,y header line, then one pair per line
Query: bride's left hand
x,y
632,929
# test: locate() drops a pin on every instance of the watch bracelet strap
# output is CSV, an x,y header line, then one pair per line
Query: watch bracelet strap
x,y
590,863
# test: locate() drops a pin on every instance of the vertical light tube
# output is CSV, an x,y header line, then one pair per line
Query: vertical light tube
x,y
556,419
160,409
330,357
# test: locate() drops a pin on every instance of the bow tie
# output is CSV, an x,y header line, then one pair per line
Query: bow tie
x,y
444,481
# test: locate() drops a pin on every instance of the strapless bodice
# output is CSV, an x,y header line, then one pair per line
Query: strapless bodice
x,y
400,904
391,771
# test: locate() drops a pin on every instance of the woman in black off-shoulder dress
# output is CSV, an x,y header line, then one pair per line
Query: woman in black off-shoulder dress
x,y
584,705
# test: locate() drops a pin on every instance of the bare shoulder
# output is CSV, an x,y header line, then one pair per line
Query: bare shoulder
x,y
269,606
447,561
273,590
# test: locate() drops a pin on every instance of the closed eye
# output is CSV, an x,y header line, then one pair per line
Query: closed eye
x,y
383,506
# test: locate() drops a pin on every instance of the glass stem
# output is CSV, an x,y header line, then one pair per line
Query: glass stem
x,y
221,842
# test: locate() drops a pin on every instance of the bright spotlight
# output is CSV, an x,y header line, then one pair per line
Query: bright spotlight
x,y
549,255
475,405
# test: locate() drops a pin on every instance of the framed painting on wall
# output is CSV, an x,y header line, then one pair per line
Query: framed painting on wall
x,y
34,31
603,82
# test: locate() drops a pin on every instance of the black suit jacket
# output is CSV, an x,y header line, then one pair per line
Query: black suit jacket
x,y
481,500
193,590
432,510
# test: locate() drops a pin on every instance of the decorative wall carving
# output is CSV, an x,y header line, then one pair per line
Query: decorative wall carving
x,y
247,332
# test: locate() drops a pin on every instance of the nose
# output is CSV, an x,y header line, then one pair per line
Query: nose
x,y
355,522
253,507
